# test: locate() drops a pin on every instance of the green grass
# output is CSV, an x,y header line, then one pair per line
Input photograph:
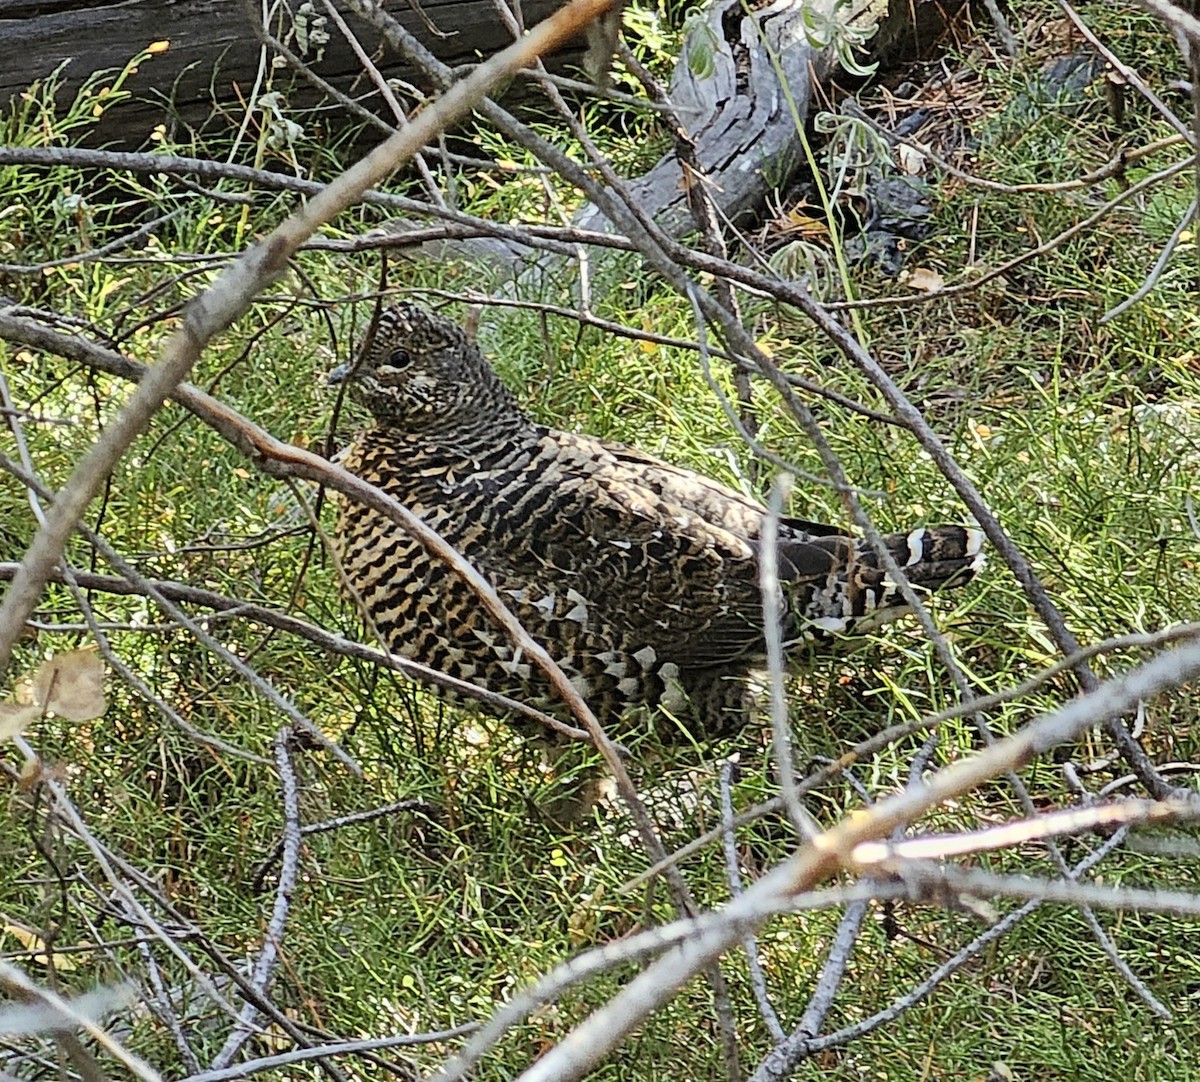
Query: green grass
x,y
1085,438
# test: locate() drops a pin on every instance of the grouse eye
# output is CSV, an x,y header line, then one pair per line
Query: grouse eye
x,y
392,370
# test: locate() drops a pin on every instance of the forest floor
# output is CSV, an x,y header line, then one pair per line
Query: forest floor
x,y
1082,431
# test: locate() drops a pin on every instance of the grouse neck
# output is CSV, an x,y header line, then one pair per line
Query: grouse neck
x,y
482,432
478,423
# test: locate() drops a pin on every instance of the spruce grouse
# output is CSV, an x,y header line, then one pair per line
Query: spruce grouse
x,y
640,578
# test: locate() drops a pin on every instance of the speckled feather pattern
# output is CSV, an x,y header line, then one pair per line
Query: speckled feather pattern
x,y
639,577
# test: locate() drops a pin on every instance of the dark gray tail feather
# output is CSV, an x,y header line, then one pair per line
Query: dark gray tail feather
x,y
835,585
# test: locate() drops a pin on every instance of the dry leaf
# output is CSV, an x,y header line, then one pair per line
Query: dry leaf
x,y
31,941
648,326
912,161
71,686
14,718
925,280
796,221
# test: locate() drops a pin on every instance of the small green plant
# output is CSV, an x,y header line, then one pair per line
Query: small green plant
x,y
700,45
836,28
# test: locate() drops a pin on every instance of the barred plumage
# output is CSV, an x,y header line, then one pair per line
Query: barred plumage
x,y
639,577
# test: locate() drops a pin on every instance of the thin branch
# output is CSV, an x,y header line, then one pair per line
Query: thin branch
x,y
999,271
328,1051
92,255
1129,75
758,979
1114,167
264,967
1160,265
527,236
327,640
368,815
889,855
62,1013
1175,17
882,739
772,603
834,969
143,587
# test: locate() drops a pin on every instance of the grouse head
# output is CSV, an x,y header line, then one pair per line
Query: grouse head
x,y
418,371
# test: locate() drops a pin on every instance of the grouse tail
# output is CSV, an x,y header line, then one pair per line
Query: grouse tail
x,y
836,586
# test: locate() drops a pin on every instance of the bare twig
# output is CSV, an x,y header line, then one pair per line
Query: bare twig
x,y
1156,271
1053,244
877,741
1115,166
328,1051
585,1045
781,731
1129,74
783,1060
327,640
143,586
368,815
891,855
93,254
264,967
160,1003
1175,17
57,1013
758,979
832,971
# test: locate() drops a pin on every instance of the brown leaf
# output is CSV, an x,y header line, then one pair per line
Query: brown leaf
x,y
71,686
31,941
925,280
14,717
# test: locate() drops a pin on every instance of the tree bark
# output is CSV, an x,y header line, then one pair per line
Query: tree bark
x,y
213,55
746,113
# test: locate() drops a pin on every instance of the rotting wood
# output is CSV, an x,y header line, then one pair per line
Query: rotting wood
x,y
745,116
213,56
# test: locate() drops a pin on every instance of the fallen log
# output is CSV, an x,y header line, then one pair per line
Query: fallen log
x,y
744,108
212,58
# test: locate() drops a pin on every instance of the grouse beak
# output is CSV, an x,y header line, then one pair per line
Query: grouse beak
x,y
338,375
